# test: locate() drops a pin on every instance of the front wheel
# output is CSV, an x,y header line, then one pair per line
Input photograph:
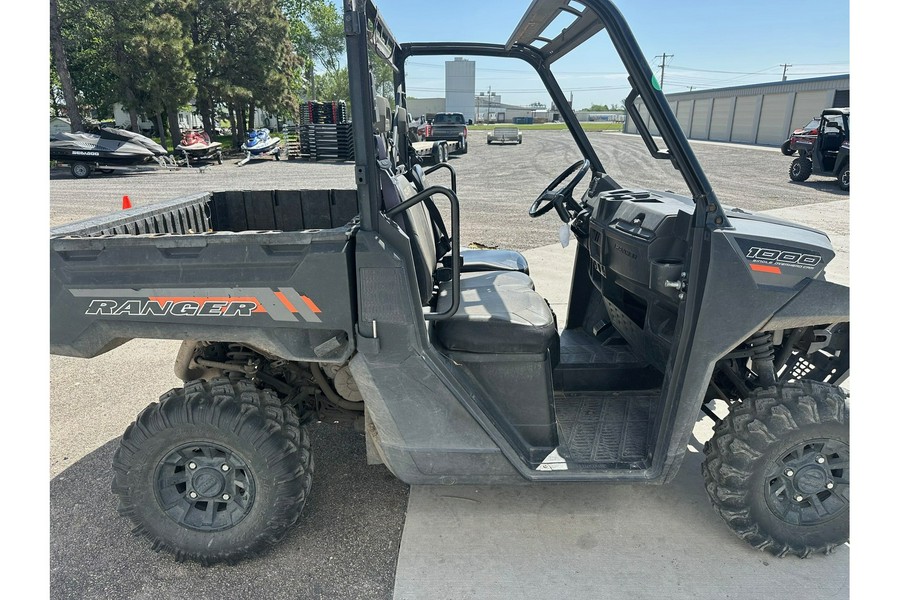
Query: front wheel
x,y
801,169
215,471
786,148
777,469
844,178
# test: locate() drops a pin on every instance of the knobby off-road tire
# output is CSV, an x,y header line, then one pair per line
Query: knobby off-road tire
x,y
786,148
844,178
801,169
777,469
214,471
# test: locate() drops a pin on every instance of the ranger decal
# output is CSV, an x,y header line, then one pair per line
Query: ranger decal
x,y
283,304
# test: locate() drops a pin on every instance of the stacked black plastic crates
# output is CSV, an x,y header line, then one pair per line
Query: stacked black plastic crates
x,y
325,132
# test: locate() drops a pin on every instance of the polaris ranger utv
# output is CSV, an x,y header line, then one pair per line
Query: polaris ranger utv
x,y
829,152
294,304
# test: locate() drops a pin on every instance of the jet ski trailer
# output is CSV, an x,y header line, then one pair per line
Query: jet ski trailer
x,y
106,150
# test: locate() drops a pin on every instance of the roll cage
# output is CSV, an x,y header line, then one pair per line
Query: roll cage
x,y
366,28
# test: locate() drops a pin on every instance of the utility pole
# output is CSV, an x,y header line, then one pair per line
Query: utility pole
x,y
662,77
784,73
489,106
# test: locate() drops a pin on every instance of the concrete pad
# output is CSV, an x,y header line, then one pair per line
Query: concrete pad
x,y
551,269
597,541
587,541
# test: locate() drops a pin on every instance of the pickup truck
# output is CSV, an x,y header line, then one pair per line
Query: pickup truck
x,y
296,305
447,126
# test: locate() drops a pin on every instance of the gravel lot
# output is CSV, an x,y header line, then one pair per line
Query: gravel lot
x,y
347,543
497,183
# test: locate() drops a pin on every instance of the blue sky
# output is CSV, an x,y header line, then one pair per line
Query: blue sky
x,y
714,43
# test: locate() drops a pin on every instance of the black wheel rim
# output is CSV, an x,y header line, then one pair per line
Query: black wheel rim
x,y
205,487
845,178
810,483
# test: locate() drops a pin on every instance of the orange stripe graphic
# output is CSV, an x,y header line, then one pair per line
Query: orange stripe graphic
x,y
312,305
765,269
286,302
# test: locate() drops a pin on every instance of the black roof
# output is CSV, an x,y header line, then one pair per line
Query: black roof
x,y
837,111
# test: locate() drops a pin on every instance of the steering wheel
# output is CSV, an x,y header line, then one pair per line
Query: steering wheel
x,y
562,199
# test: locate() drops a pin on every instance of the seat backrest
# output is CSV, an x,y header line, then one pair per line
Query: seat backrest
x,y
832,140
421,235
415,222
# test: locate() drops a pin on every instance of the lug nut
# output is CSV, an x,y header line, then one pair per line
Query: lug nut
x,y
798,498
225,467
829,485
192,465
820,459
789,472
226,497
193,494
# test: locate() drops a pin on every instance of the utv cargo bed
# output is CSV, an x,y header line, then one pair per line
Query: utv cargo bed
x,y
249,267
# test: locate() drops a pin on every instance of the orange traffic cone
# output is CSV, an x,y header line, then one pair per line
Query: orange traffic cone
x,y
126,203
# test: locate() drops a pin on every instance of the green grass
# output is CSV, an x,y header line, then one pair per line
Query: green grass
x,y
594,126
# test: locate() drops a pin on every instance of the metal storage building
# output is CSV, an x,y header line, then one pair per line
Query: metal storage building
x,y
762,114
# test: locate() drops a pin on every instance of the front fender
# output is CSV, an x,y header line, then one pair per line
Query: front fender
x,y
819,303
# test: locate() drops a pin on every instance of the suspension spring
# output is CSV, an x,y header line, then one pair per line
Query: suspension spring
x,y
239,355
763,358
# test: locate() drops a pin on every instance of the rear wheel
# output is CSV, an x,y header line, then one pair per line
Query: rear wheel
x,y
215,471
777,469
844,177
80,170
801,169
463,145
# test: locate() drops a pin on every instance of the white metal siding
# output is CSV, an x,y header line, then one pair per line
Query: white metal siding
x,y
683,114
771,120
701,118
651,124
720,127
744,119
808,105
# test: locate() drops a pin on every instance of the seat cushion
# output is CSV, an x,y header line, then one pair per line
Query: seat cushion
x,y
492,260
499,313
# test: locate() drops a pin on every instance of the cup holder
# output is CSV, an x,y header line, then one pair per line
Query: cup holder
x,y
663,270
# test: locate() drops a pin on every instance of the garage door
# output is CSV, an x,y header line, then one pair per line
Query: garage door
x,y
720,127
683,114
744,120
771,119
701,117
808,105
651,124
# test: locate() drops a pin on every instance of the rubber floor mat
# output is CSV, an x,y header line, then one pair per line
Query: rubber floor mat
x,y
610,429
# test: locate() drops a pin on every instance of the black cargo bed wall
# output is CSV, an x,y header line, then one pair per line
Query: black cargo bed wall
x,y
283,210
